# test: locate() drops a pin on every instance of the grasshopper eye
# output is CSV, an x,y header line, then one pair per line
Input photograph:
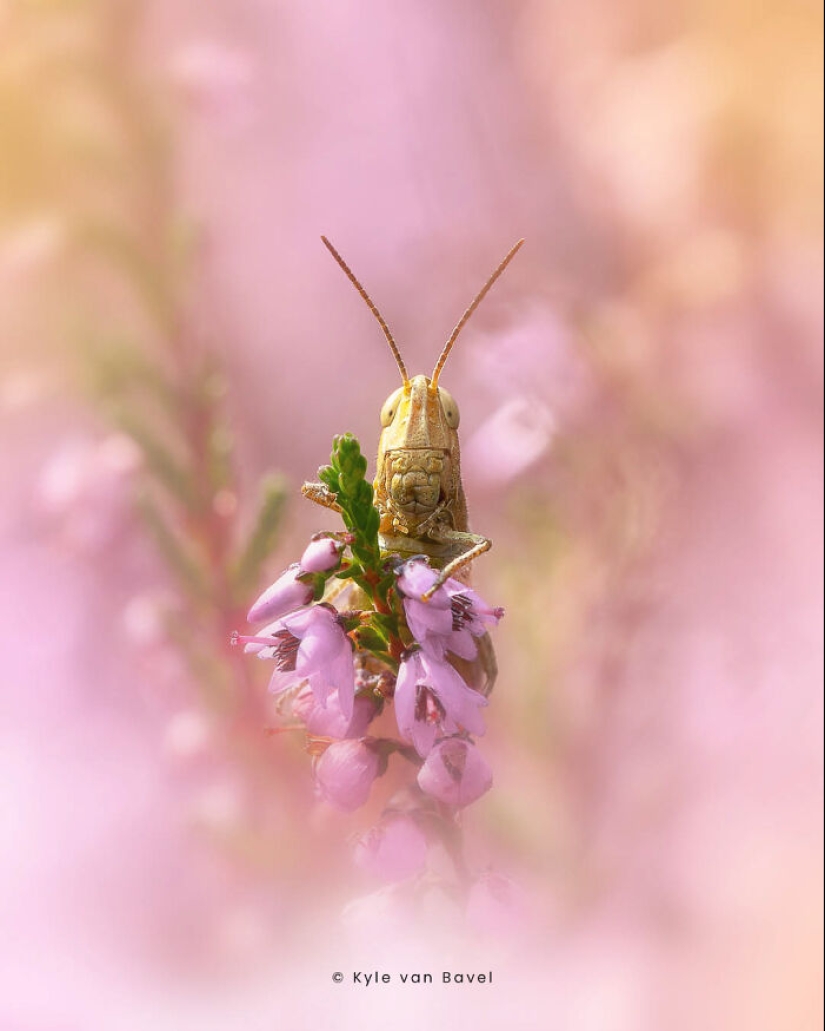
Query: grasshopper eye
x,y
391,407
451,412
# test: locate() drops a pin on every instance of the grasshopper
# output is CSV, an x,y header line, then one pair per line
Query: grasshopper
x,y
418,488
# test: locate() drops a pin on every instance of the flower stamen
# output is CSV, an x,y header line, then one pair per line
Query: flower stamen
x,y
462,610
284,644
286,651
428,708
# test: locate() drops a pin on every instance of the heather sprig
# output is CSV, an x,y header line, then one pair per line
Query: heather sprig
x,y
381,631
352,629
346,477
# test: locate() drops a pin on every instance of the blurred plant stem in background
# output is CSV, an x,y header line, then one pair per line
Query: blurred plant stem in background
x,y
94,159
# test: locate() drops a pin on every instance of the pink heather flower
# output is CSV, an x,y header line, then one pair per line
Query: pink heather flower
x,y
393,851
321,555
455,772
328,720
452,617
431,699
309,644
345,772
286,595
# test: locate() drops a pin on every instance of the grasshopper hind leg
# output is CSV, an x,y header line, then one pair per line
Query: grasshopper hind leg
x,y
481,672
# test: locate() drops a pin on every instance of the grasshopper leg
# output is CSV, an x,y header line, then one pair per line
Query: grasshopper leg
x,y
477,546
481,672
321,495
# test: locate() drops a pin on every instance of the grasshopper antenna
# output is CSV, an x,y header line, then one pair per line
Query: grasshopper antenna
x,y
465,318
351,277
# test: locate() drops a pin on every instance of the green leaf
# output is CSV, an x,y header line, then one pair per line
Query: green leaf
x,y
329,477
370,639
373,523
350,572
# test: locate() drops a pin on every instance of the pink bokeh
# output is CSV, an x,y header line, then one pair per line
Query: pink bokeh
x,y
641,401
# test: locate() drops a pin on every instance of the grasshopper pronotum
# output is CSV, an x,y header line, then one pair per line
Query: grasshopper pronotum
x,y
418,489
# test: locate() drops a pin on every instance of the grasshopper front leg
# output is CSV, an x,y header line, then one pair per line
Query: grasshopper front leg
x,y
321,495
476,545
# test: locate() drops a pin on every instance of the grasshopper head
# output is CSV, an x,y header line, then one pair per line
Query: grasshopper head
x,y
418,415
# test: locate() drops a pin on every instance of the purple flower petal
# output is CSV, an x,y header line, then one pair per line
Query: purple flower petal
x,y
423,735
321,688
320,645
342,678
477,612
424,619
321,555
310,644
416,577
461,643
280,682
455,772
304,620
345,772
405,696
330,721
450,619
461,702
425,685
285,595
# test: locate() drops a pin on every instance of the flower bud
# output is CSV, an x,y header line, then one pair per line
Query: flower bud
x,y
321,555
285,595
455,772
345,772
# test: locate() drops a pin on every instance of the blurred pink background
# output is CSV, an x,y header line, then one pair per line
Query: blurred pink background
x,y
641,404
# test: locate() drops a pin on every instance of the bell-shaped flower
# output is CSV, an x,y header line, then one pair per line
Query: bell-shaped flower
x,y
285,595
345,772
393,851
455,772
321,554
450,619
431,700
328,720
310,645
